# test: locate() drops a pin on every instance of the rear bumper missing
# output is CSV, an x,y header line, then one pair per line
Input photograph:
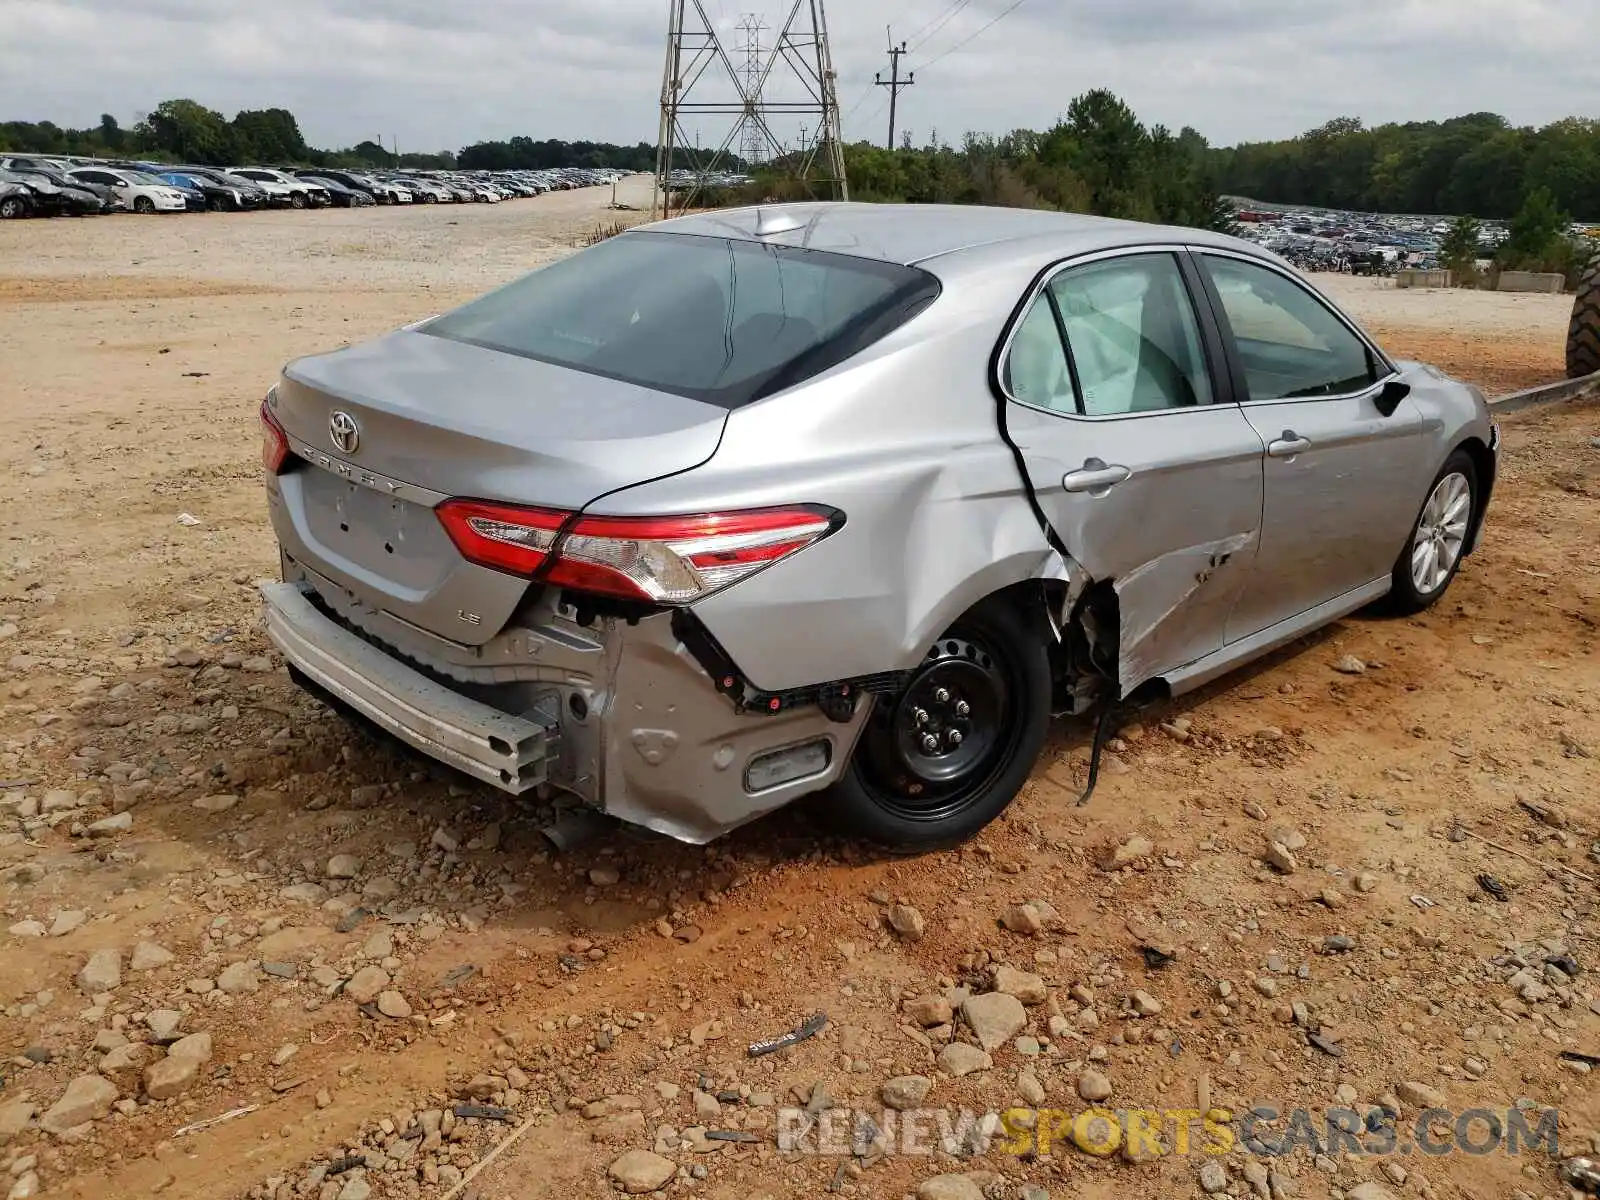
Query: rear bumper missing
x,y
496,747
623,716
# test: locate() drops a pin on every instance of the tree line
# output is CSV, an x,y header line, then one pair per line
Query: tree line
x,y
1099,158
185,131
1478,164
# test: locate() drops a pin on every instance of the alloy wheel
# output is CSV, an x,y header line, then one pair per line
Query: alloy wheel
x,y
1441,533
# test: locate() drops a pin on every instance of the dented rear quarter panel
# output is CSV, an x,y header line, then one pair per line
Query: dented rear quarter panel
x,y
905,441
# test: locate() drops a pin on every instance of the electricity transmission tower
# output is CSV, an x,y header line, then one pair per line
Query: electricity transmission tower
x,y
792,76
752,146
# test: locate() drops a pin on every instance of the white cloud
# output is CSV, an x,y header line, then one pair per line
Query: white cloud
x,y
440,75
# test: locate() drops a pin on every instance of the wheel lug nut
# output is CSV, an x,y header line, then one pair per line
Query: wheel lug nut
x,y
920,716
963,708
930,743
954,737
942,695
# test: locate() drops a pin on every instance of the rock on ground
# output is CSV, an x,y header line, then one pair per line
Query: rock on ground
x,y
640,1171
949,1187
1128,853
147,956
14,1118
906,1091
1029,989
239,979
907,922
87,1098
367,984
170,1077
102,973
1420,1095
995,1018
1093,1086
959,1058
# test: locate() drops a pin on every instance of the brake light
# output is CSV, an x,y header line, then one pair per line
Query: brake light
x,y
274,441
659,560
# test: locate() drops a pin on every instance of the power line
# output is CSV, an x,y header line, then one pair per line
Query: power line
x,y
931,30
968,41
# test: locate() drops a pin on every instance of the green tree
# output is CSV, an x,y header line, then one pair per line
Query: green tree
x,y
1536,234
111,134
1458,249
270,135
190,132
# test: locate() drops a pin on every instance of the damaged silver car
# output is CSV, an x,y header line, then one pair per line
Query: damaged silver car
x,y
844,502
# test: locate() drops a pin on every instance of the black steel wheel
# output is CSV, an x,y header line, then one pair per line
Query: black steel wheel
x,y
940,761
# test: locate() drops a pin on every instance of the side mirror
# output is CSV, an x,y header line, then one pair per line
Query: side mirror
x,y
1390,397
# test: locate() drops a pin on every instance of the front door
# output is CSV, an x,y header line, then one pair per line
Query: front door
x,y
1339,473
1144,467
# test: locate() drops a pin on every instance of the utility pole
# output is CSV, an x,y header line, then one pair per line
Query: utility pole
x,y
894,83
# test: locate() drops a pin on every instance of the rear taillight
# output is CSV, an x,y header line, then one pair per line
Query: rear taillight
x,y
274,441
658,560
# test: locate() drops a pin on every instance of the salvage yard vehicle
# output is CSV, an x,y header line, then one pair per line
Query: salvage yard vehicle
x,y
77,197
140,192
1583,331
845,501
283,188
17,199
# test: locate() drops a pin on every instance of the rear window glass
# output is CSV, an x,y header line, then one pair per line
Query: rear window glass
x,y
723,320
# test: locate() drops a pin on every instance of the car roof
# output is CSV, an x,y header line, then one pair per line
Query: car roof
x,y
913,233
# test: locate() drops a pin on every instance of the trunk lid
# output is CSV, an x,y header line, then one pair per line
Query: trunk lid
x,y
434,419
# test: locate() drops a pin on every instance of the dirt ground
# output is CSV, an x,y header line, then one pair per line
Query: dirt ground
x,y
601,1001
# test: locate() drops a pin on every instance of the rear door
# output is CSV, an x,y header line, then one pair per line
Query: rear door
x,y
1145,467
1340,475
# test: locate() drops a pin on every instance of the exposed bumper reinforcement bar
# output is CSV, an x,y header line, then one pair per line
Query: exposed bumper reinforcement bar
x,y
507,751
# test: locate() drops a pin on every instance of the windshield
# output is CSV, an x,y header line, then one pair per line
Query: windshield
x,y
724,320
147,180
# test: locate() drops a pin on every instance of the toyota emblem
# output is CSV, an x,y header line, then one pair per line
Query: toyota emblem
x,y
343,431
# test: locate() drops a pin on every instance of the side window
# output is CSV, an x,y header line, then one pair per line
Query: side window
x,y
1291,345
1036,370
1133,336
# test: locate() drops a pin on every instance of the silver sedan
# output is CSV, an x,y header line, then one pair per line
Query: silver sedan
x,y
845,502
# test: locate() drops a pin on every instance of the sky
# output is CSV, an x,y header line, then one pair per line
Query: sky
x,y
440,74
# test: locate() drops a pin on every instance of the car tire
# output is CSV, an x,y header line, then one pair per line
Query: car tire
x,y
993,664
297,200
1434,551
143,205
13,208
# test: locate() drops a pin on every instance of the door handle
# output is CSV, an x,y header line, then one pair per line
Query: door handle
x,y
1095,477
1288,444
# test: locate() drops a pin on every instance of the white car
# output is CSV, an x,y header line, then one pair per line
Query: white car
x,y
285,189
140,192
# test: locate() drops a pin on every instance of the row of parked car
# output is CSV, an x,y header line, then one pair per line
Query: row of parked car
x,y
49,185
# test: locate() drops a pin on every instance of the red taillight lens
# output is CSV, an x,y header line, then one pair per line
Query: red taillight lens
x,y
274,441
658,560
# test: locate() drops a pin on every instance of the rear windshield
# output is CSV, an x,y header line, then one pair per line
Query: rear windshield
x,y
723,320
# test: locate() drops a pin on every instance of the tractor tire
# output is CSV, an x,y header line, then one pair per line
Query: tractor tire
x,y
1583,335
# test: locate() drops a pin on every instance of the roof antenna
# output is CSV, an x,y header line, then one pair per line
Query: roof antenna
x,y
770,222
